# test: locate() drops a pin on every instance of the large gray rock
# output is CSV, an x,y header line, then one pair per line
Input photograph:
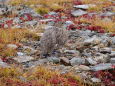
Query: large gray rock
x,y
102,66
77,61
78,13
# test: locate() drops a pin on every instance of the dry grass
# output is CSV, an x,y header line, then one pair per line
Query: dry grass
x,y
100,4
39,76
13,36
46,5
108,26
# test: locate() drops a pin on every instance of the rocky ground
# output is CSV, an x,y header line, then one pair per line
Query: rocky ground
x,y
87,52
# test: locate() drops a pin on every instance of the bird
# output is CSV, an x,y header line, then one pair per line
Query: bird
x,y
53,38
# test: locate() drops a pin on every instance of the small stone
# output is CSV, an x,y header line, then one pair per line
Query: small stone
x,y
84,6
67,23
20,54
112,60
77,61
13,46
54,59
96,80
22,59
78,13
112,54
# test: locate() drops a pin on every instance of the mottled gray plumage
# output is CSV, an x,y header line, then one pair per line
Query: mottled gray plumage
x,y
53,38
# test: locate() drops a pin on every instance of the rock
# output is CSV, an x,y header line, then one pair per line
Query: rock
x,y
22,59
64,61
84,68
3,64
78,13
67,23
107,14
46,20
71,52
54,59
112,54
13,46
84,6
31,23
105,50
77,61
113,41
52,13
102,58
95,80
33,64
112,60
17,26
20,54
91,61
16,20
93,40
102,66
5,26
